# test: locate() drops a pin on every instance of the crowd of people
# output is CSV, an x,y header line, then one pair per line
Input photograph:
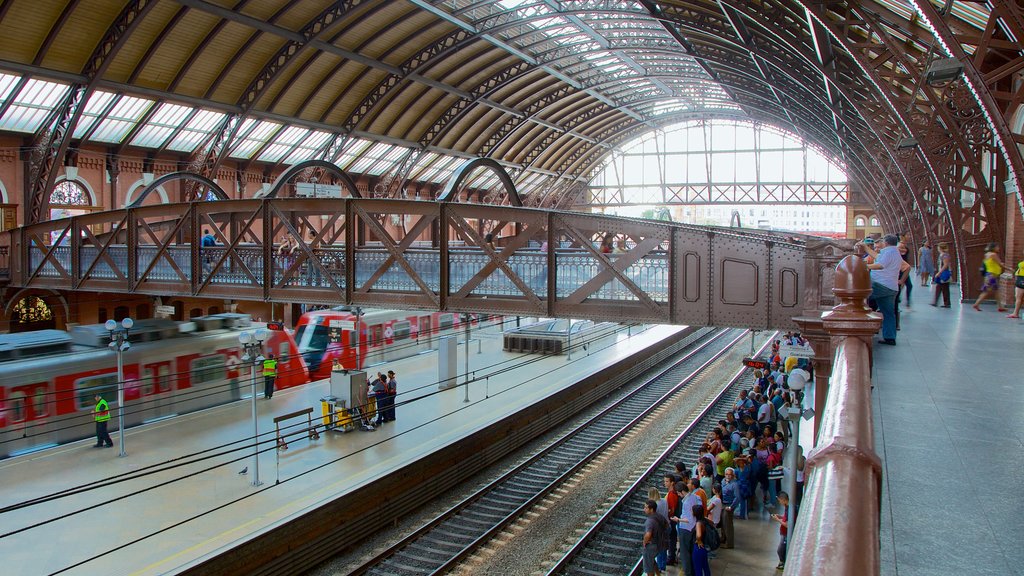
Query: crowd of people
x,y
737,474
384,389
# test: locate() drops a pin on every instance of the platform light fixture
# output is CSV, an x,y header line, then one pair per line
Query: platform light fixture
x,y
906,143
943,70
119,343
796,380
252,346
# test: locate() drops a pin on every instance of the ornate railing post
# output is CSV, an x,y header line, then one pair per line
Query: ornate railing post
x,y
837,532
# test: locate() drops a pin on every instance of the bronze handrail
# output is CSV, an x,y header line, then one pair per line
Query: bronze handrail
x,y
836,532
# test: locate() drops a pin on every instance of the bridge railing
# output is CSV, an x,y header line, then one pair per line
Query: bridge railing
x,y
416,254
837,527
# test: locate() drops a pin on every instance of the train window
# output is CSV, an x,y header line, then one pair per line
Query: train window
x,y
402,328
445,321
87,388
40,402
209,369
376,335
17,406
310,337
155,379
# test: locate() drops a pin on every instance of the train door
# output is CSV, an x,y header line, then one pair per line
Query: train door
x,y
375,345
158,391
29,424
426,333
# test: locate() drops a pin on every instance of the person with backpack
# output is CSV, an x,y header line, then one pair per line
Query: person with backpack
x,y
701,537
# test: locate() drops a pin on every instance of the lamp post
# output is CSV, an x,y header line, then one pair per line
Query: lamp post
x,y
252,345
465,318
797,379
119,344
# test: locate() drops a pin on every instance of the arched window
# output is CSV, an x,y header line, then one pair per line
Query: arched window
x,y
859,221
69,193
874,221
30,310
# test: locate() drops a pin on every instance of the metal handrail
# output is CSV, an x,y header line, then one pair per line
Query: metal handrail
x,y
837,528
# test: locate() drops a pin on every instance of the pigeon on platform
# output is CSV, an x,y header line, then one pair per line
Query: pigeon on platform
x,y
244,471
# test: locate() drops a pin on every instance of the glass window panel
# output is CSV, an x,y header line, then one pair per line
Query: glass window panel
x,y
675,169
723,137
696,169
274,152
746,138
633,170
122,117
794,165
7,84
771,166
652,168
258,135
723,167
746,166
772,139
95,106
32,105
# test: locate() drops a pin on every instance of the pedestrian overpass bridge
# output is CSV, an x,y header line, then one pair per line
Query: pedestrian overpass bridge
x,y
433,255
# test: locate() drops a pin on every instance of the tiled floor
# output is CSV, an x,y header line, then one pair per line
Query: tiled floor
x,y
949,426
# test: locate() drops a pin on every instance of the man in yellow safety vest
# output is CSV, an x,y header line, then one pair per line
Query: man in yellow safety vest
x,y
269,375
101,413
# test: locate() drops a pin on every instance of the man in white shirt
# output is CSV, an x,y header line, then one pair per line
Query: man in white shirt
x,y
885,283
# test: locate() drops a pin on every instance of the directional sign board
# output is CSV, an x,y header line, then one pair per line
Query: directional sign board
x,y
341,324
164,311
789,350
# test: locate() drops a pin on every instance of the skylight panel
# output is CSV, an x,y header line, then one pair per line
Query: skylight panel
x,y
258,135
32,105
376,152
284,143
7,84
121,118
309,148
164,122
198,129
351,152
94,107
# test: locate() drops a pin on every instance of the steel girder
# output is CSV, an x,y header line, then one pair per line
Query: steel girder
x,y
55,134
670,273
949,153
994,88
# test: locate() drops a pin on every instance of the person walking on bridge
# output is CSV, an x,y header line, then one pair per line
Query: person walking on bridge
x,y
101,413
885,282
269,375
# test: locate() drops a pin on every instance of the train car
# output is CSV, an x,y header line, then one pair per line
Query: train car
x,y
328,336
48,379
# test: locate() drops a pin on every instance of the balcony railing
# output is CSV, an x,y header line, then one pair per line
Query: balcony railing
x,y
836,531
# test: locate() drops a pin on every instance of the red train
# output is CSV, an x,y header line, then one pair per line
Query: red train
x,y
48,379
326,336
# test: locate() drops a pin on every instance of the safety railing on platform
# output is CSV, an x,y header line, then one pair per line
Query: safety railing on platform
x,y
837,527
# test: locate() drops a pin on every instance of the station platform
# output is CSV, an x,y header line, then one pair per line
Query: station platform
x,y
948,409
168,520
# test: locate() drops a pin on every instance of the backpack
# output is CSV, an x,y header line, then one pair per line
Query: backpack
x,y
712,539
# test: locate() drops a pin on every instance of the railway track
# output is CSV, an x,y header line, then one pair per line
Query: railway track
x,y
611,545
454,535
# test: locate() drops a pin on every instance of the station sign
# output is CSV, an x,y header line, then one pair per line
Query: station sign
x,y
791,351
755,363
164,311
